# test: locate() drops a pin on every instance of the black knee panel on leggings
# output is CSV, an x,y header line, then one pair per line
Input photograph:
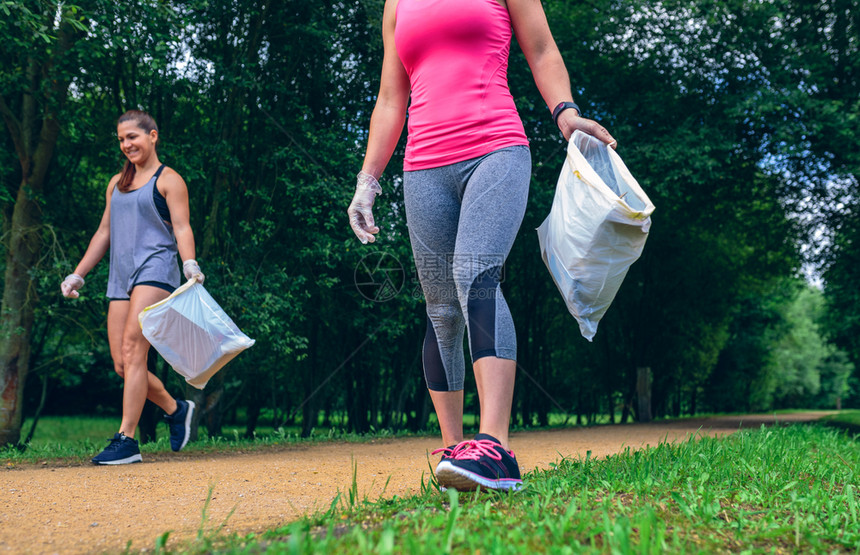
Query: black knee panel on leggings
x,y
482,313
434,368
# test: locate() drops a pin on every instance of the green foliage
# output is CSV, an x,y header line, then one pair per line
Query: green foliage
x,y
263,107
778,355
807,365
842,319
800,352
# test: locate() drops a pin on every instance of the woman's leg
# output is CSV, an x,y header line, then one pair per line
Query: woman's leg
x,y
140,384
432,199
117,316
449,412
493,207
495,379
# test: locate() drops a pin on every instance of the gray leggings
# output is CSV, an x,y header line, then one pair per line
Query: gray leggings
x,y
463,219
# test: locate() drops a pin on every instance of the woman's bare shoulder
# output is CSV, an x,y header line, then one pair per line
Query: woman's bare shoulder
x,y
170,177
112,183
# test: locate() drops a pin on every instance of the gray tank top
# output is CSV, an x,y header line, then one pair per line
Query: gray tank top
x,y
142,245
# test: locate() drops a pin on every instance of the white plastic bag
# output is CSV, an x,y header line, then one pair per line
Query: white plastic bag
x,y
596,229
193,334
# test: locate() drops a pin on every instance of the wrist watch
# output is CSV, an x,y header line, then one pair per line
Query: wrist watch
x,y
562,106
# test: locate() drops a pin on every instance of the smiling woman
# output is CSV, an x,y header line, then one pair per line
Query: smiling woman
x,y
138,138
145,225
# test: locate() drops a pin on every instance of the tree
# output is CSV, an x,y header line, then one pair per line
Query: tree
x,y
263,107
38,46
842,274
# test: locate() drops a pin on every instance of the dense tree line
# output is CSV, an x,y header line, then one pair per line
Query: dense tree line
x,y
739,119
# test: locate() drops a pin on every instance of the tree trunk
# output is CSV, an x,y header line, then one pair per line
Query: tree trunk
x,y
643,393
16,314
34,133
38,413
625,411
426,408
208,409
693,398
310,409
610,398
191,393
579,406
309,417
214,410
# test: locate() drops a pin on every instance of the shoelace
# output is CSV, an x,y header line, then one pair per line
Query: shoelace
x,y
450,451
446,451
113,443
475,449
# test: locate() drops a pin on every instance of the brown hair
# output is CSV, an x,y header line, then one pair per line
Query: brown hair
x,y
146,123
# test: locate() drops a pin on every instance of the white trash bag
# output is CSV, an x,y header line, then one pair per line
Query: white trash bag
x,y
193,334
596,229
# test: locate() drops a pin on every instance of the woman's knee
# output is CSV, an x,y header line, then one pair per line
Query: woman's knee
x,y
119,368
134,350
445,315
477,286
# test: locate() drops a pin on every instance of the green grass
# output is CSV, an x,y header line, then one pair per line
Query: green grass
x,y
847,420
68,430
783,490
75,440
63,438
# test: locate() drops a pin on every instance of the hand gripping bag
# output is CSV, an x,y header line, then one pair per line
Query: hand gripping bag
x,y
596,229
193,334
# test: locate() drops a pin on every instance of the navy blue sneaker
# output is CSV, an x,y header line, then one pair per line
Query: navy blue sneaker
x,y
121,450
180,424
447,454
481,462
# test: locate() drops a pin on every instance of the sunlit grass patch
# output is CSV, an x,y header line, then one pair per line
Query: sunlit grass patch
x,y
847,420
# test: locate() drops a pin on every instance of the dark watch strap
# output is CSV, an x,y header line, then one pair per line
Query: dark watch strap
x,y
562,106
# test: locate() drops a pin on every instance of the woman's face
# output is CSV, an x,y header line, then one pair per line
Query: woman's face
x,y
135,143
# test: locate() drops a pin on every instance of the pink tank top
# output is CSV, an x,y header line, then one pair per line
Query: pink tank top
x,y
456,55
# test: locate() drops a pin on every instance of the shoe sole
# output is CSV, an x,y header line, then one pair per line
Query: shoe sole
x,y
188,414
450,476
128,460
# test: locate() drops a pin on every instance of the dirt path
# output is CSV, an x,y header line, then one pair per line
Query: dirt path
x,y
91,509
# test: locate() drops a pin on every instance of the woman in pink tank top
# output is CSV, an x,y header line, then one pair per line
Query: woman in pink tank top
x,y
466,175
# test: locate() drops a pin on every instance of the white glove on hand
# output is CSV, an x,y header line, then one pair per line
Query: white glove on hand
x,y
192,270
360,215
70,286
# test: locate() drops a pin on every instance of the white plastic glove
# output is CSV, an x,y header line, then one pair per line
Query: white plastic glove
x,y
70,286
360,215
191,269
